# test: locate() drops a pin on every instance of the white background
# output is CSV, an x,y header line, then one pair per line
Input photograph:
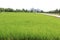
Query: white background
x,y
45,5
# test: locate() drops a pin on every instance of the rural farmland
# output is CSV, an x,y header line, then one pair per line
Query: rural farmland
x,y
28,26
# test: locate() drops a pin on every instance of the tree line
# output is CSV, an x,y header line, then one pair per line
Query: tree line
x,y
31,10
54,11
19,10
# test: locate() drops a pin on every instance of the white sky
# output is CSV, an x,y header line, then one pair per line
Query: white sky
x,y
45,5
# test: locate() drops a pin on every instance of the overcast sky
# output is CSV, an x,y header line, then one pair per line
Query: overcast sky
x,y
45,5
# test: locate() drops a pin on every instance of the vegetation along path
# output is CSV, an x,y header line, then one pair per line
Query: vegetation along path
x,y
55,15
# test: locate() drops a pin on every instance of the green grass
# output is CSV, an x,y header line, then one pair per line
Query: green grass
x,y
28,26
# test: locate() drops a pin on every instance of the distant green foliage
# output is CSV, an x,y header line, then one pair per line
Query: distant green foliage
x,y
8,10
18,10
57,11
28,26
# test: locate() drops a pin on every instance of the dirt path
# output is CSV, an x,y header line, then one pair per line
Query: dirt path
x,y
56,15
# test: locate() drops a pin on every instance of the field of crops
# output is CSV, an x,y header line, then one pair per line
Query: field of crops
x,y
28,26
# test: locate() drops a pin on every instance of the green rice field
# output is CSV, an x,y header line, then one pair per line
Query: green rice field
x,y
28,26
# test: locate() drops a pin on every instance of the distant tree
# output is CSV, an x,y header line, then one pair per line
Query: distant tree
x,y
32,10
23,10
59,10
2,10
26,10
37,10
18,10
56,11
9,10
42,11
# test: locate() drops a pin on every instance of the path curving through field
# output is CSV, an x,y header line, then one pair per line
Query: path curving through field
x,y
56,15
